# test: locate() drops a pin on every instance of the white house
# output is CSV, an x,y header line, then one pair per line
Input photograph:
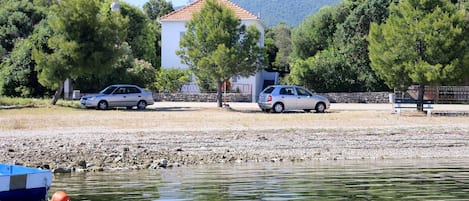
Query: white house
x,y
173,27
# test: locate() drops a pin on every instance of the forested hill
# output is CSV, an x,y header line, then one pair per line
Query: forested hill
x,y
292,12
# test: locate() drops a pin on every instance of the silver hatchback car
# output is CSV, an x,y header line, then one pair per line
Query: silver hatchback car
x,y
280,98
120,95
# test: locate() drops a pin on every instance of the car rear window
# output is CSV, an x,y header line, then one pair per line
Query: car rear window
x,y
133,90
268,90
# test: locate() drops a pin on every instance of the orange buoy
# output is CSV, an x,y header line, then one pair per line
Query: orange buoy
x,y
60,196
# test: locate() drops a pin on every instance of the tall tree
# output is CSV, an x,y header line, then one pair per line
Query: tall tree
x,y
327,71
350,38
154,9
141,34
19,77
282,38
18,19
217,46
422,42
338,31
157,8
85,41
270,50
314,33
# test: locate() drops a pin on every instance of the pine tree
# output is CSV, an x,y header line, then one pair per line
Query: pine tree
x,y
422,42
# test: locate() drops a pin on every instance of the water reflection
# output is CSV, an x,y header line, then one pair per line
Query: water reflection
x,y
322,180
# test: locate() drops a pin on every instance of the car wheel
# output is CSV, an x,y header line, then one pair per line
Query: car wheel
x,y
278,108
102,105
141,105
307,110
320,108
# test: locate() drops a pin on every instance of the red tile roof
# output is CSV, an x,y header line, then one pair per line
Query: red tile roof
x,y
186,12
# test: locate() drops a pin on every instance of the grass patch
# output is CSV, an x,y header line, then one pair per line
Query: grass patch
x,y
70,103
9,101
37,102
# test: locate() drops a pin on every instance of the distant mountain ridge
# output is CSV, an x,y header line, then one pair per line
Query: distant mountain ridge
x,y
272,12
292,12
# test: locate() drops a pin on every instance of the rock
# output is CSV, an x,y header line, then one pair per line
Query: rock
x,y
163,163
88,165
45,166
80,170
263,138
62,170
81,163
113,155
11,150
146,166
117,159
96,169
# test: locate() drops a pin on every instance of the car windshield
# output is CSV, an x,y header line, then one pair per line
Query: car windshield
x,y
268,90
302,92
108,90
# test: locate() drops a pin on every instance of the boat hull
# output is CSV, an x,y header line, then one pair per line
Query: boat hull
x,y
24,183
34,194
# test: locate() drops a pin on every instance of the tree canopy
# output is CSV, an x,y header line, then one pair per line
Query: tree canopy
x,y
157,8
85,41
217,46
338,31
422,42
18,21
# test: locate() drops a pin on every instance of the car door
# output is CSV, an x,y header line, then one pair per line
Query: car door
x,y
133,96
118,98
288,98
305,99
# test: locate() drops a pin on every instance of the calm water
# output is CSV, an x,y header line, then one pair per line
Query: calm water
x,y
322,180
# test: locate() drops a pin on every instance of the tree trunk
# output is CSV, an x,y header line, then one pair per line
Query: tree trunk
x,y
219,94
420,97
57,94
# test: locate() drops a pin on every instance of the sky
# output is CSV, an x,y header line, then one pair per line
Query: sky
x,y
140,3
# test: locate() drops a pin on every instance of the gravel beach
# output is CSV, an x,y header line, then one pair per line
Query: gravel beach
x,y
184,134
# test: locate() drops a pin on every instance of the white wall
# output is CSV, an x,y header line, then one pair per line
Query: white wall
x,y
170,37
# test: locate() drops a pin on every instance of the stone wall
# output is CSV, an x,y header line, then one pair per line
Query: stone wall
x,y
201,97
358,97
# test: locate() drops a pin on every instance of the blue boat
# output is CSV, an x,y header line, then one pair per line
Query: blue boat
x,y
24,183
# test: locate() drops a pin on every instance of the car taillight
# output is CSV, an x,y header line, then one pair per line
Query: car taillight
x,y
269,98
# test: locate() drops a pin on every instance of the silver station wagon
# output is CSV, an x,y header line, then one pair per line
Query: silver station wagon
x,y
120,95
280,98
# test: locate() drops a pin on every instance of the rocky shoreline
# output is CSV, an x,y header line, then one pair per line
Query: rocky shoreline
x,y
104,149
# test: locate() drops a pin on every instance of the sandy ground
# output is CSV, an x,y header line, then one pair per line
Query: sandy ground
x,y
170,134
